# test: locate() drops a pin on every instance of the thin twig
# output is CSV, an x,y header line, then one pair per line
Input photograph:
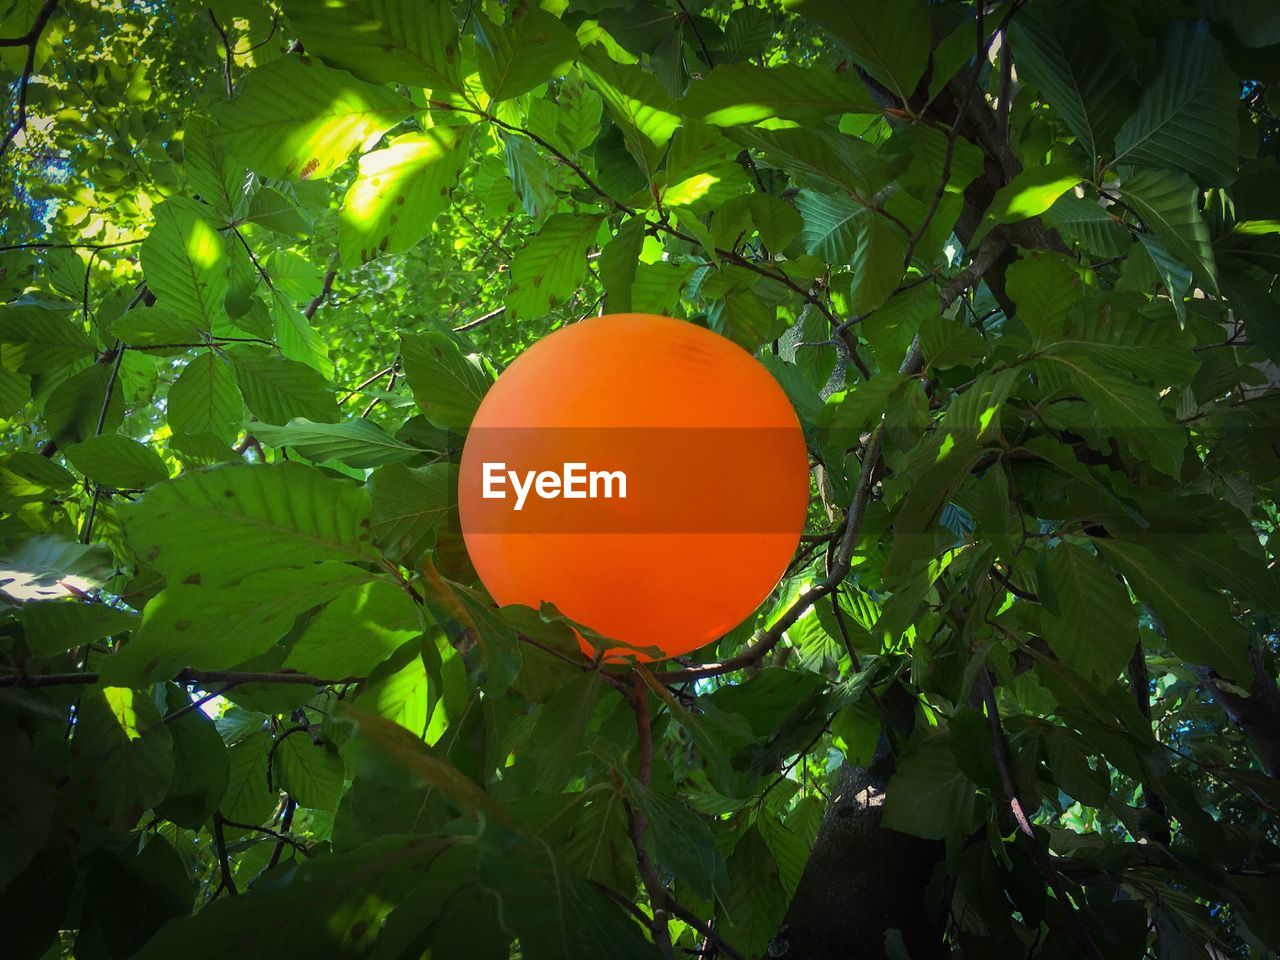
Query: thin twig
x,y
86,531
69,246
480,320
197,704
226,48
200,677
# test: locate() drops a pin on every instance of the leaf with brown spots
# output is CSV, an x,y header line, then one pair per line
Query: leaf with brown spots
x,y
395,198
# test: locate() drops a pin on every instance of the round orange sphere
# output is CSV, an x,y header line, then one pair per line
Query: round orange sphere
x,y
645,475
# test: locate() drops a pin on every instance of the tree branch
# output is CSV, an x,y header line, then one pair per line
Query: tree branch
x,y
1004,767
325,288
636,824
30,40
226,48
200,677
224,863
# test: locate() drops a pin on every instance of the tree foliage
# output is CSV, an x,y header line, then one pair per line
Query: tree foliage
x,y
1015,265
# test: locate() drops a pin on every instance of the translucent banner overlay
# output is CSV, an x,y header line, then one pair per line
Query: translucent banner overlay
x,y
633,480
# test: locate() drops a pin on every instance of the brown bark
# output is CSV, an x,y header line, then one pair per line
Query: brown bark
x,y
1258,714
863,879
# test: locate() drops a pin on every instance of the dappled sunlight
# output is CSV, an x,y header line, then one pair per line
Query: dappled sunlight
x,y
120,703
203,244
687,191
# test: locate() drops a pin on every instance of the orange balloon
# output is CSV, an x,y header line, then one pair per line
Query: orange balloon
x,y
645,475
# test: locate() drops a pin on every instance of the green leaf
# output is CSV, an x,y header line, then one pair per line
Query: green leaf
x,y
877,261
297,339
223,524
27,797
1069,761
642,110
122,756
744,318
929,796
275,211
1085,222
618,262
1089,621
1044,286
205,398
378,612
15,391
784,90
447,383
53,627
393,201
357,443
829,225
358,886
311,773
117,461
1115,402
841,231
50,567
184,261
577,114
843,161
212,628
424,764
276,389
681,839
560,733
383,41
1085,74
39,340
599,844
85,405
755,903
409,507
1196,621
295,119
247,798
212,175
1168,204
551,265
156,327
515,57
1187,117
557,915
473,628
777,221
1030,194
400,689
891,41
950,343
27,477
201,768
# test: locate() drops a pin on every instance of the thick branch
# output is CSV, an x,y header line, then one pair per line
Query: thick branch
x,y
635,821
